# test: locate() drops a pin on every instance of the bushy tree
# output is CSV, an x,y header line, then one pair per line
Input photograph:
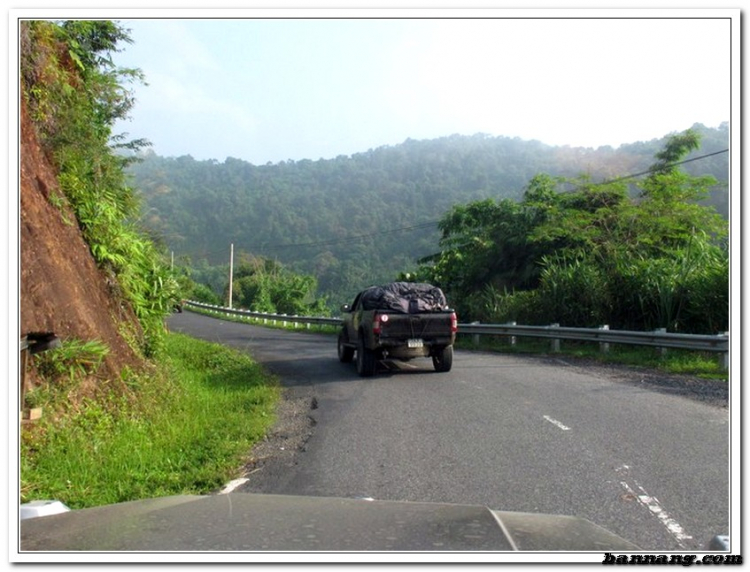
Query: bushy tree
x,y
592,253
264,285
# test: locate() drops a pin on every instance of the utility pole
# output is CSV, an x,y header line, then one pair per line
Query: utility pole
x,y
231,272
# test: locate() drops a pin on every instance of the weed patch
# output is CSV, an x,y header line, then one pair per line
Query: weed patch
x,y
184,429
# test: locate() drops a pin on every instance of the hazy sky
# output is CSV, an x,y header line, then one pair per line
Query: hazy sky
x,y
309,88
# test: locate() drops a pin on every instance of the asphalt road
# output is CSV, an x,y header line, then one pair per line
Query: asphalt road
x,y
645,460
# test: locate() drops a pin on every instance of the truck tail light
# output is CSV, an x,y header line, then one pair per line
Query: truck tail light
x,y
454,323
377,323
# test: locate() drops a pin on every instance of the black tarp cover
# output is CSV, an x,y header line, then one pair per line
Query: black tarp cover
x,y
405,297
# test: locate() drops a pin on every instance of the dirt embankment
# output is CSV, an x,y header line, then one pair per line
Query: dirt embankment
x,y
62,290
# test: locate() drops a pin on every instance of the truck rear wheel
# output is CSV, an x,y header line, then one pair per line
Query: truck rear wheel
x,y
346,353
365,359
442,359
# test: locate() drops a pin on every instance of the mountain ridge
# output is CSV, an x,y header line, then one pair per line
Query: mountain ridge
x,y
360,219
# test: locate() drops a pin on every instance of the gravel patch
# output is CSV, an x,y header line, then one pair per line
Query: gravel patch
x,y
272,458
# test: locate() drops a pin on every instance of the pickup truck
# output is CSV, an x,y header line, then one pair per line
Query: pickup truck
x,y
400,320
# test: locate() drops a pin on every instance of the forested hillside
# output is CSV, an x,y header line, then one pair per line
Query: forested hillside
x,y
361,219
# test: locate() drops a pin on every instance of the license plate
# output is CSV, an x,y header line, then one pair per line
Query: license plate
x,y
415,343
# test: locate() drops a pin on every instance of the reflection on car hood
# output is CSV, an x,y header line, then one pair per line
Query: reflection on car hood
x,y
253,522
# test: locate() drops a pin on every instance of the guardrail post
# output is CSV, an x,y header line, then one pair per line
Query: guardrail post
x,y
511,339
662,351
555,343
724,356
604,346
476,336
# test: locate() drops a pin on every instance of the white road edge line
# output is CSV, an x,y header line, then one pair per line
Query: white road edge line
x,y
557,423
652,504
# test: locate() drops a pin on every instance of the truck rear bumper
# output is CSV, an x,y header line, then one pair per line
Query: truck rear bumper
x,y
400,350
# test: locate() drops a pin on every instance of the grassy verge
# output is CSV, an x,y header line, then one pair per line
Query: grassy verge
x,y
701,364
185,429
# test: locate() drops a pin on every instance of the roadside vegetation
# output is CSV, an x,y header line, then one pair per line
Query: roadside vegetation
x,y
632,254
75,94
184,428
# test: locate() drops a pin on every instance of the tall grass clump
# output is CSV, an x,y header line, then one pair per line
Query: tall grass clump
x,y
186,428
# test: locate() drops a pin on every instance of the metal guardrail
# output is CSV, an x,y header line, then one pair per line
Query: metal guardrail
x,y
604,336
284,318
657,338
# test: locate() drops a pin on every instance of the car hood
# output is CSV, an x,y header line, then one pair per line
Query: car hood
x,y
280,523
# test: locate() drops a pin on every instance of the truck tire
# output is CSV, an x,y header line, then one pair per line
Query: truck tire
x,y
442,359
366,361
346,353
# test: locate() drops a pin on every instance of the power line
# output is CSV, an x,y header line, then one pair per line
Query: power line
x,y
661,168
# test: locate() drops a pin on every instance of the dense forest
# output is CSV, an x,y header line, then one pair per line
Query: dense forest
x,y
361,219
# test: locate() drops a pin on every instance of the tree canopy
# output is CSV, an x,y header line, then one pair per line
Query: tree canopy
x,y
583,254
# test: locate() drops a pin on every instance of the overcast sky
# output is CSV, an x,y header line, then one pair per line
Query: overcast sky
x,y
308,88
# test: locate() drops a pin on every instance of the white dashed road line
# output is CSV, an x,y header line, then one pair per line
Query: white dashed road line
x,y
556,423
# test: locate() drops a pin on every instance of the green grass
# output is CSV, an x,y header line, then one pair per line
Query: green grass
x,y
185,429
701,364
